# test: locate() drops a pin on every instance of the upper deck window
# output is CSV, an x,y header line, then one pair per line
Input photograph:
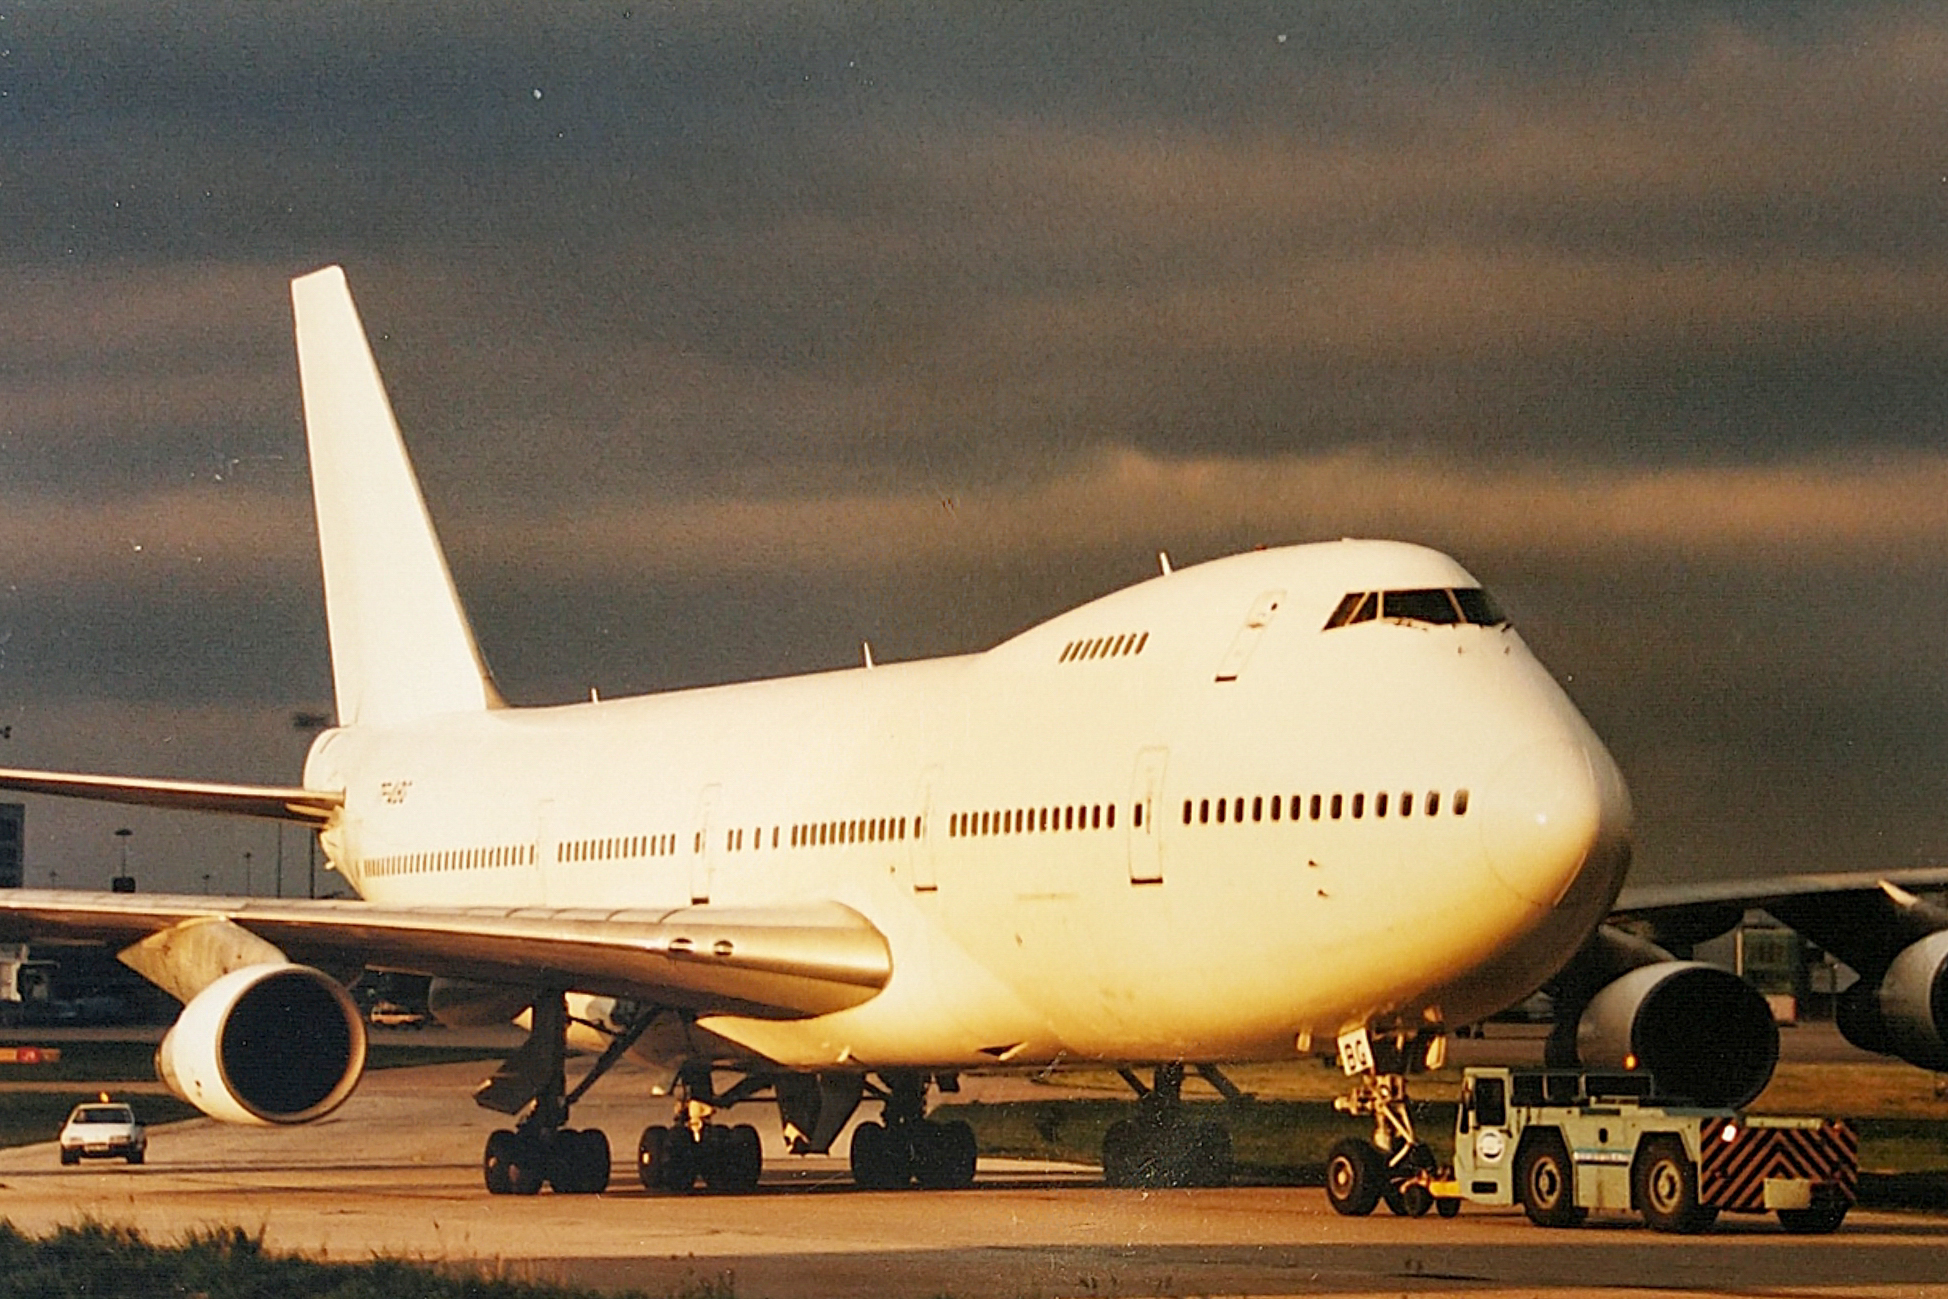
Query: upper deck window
x,y
1433,605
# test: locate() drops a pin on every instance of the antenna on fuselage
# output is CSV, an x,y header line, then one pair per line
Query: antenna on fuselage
x,y
867,646
1163,562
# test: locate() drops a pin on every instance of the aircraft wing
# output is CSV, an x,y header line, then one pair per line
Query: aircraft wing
x,y
1649,899
774,963
1865,918
311,807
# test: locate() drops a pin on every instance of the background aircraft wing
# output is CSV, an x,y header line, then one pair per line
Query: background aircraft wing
x,y
306,806
777,962
1865,918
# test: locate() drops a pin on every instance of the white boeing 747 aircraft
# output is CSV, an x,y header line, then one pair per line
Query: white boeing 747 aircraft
x,y
1314,798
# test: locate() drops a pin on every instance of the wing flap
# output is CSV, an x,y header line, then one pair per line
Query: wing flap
x,y
770,963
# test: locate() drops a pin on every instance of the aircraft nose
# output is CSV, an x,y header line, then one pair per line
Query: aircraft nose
x,y
1551,810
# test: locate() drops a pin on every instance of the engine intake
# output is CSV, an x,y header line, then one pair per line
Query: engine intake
x,y
1702,1032
271,1043
1906,1013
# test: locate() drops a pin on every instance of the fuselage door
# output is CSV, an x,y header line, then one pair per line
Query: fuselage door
x,y
1260,617
547,839
703,848
925,877
1145,834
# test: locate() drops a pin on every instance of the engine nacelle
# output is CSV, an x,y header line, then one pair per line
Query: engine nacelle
x,y
1702,1032
271,1043
1906,1013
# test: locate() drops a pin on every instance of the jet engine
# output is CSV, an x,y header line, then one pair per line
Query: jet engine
x,y
269,1043
1905,1014
1701,1031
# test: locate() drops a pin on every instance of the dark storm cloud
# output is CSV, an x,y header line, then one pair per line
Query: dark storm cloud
x,y
879,240
729,335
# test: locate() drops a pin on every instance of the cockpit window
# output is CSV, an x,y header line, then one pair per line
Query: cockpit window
x,y
1478,608
1437,606
1347,607
1431,605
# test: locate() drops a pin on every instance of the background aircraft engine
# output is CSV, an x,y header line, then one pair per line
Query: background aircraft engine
x,y
272,1043
1702,1032
1906,1013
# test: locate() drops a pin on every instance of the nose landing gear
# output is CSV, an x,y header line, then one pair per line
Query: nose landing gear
x,y
1395,1167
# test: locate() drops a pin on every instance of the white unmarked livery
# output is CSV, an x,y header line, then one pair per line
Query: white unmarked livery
x,y
1189,822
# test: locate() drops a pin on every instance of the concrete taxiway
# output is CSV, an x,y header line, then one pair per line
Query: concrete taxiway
x,y
396,1172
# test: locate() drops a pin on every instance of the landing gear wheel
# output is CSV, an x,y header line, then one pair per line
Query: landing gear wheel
x,y
1355,1175
581,1162
1406,1190
1667,1189
1410,1201
881,1159
1210,1156
1827,1211
666,1160
1545,1184
1146,1152
1120,1161
944,1155
512,1164
730,1159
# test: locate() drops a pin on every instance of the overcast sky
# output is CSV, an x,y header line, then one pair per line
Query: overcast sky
x,y
695,315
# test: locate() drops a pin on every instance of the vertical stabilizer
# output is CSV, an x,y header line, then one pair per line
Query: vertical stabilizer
x,y
401,648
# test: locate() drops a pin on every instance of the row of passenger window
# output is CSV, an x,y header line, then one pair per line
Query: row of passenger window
x,y
1319,807
453,859
823,834
628,845
1035,820
1104,647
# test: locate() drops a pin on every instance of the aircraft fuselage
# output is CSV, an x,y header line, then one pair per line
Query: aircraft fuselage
x,y
1287,830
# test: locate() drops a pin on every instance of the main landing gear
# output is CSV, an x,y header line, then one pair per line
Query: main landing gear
x,y
905,1147
1395,1166
693,1149
1162,1145
541,1148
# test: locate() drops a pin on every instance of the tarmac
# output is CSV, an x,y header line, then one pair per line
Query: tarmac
x,y
396,1172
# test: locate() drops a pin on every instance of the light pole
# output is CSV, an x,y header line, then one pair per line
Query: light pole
x,y
123,881
246,872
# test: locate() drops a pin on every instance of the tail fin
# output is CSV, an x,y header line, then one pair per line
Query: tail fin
x,y
401,648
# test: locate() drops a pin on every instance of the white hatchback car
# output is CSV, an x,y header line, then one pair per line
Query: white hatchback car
x,y
103,1129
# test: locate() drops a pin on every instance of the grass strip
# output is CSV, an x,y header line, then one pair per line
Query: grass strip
x,y
113,1062
93,1260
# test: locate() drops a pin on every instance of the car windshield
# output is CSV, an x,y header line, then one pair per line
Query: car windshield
x,y
104,1114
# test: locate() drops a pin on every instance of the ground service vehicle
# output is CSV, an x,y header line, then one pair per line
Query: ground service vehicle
x,y
103,1130
1563,1143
